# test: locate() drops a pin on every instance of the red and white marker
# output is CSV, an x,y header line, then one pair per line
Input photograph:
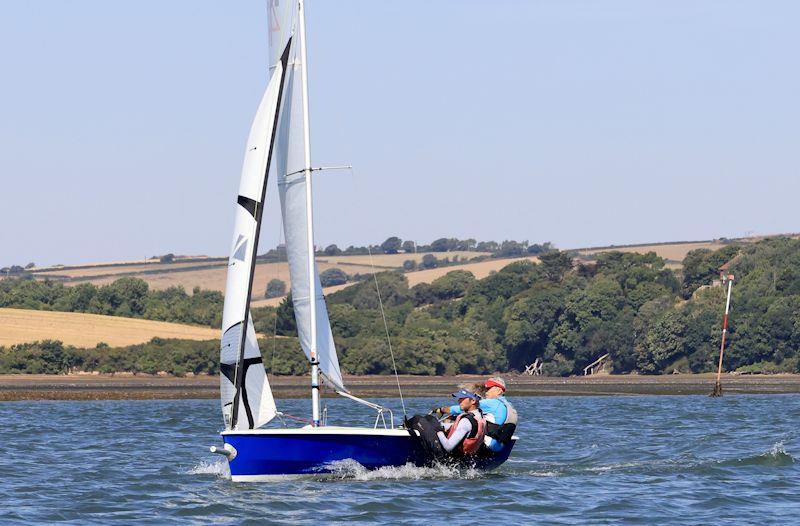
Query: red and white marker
x,y
718,387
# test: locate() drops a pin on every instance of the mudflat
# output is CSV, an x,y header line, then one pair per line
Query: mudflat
x,y
147,387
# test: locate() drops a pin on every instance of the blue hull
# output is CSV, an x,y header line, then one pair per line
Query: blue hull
x,y
265,454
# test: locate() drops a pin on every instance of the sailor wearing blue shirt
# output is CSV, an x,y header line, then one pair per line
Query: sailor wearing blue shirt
x,y
499,412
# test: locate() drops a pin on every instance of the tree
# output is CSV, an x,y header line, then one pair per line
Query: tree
x,y
555,264
454,284
392,245
409,247
530,320
167,258
332,250
487,246
275,288
129,296
429,261
30,265
409,265
466,244
701,266
536,249
443,244
510,249
285,324
332,277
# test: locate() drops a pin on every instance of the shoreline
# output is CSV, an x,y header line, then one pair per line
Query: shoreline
x,y
145,387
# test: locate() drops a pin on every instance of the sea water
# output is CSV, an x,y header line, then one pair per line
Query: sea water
x,y
579,460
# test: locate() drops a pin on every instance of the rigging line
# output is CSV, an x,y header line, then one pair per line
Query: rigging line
x,y
275,324
385,324
386,328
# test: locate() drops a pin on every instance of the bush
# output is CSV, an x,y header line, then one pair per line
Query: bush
x,y
276,288
332,277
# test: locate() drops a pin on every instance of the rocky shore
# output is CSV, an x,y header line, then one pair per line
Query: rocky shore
x,y
146,387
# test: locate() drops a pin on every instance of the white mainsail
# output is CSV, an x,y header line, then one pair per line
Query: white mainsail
x,y
292,164
245,395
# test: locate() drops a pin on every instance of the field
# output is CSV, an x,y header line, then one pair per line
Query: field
x,y
210,273
87,330
480,270
674,252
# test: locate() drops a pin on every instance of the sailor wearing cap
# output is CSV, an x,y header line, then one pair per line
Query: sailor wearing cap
x,y
500,414
466,434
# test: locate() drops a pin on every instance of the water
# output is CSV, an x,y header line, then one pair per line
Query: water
x,y
579,460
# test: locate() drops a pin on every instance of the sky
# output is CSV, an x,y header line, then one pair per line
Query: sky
x,y
580,122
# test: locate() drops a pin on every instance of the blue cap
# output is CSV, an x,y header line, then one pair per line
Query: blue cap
x,y
463,393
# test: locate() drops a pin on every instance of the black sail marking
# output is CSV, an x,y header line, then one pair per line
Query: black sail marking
x,y
254,248
247,363
228,370
248,204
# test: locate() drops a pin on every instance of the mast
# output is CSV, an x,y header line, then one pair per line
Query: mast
x,y
309,220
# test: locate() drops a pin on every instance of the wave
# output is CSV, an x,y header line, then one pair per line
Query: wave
x,y
349,469
775,457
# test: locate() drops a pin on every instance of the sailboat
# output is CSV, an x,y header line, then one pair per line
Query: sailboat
x,y
280,133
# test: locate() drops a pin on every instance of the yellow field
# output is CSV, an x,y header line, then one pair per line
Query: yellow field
x,y
395,260
674,252
479,270
87,330
105,270
214,278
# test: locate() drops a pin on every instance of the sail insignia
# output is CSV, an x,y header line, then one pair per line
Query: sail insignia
x,y
248,204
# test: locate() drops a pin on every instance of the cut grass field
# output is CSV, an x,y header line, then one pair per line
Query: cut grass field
x,y
191,274
672,252
480,270
87,330
215,278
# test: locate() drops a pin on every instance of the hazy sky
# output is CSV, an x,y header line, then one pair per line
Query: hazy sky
x,y
592,122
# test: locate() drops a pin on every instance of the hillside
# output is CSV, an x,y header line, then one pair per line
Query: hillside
x,y
480,270
210,273
673,253
646,317
87,330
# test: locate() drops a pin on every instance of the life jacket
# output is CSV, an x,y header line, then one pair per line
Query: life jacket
x,y
511,413
472,442
503,433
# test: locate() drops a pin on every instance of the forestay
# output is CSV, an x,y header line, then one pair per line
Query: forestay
x,y
245,394
292,164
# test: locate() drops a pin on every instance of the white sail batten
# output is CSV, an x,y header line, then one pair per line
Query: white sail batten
x,y
245,395
293,169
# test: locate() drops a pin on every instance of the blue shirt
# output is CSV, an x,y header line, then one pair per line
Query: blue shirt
x,y
490,406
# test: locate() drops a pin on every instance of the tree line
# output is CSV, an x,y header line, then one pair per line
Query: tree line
x,y
649,318
396,245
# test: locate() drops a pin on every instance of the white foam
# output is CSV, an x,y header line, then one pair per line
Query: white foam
x,y
778,449
352,470
217,467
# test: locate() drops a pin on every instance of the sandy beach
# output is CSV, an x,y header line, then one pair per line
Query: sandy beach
x,y
144,387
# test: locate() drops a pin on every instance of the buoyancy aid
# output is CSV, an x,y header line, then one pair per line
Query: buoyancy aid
x,y
511,415
472,442
503,433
